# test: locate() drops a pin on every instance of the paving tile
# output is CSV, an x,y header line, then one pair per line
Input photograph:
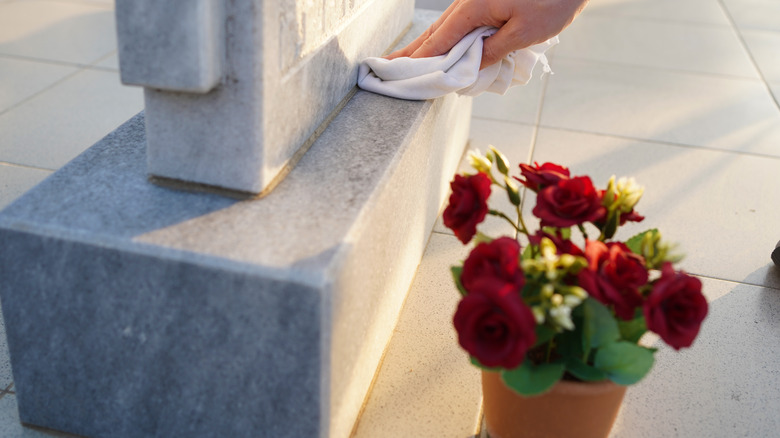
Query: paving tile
x,y
700,110
111,61
514,140
775,88
55,30
755,14
765,47
51,129
720,207
726,384
15,180
22,79
426,386
690,11
660,44
519,104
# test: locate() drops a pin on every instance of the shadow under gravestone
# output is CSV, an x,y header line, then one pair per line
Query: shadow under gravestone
x,y
136,310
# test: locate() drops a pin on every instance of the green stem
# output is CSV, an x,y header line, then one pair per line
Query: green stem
x,y
503,216
549,350
582,230
520,222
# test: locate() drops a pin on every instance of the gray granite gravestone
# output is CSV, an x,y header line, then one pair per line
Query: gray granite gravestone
x,y
136,310
235,89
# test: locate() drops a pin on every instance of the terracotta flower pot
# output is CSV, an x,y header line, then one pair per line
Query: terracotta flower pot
x,y
569,409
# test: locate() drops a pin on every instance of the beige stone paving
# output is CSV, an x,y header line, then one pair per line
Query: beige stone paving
x,y
675,93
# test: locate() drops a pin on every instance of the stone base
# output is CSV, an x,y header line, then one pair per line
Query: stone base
x,y
134,310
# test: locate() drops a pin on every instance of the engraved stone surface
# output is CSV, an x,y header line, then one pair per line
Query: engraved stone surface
x,y
288,65
133,310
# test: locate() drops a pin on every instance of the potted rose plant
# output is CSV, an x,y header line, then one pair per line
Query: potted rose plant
x,y
554,317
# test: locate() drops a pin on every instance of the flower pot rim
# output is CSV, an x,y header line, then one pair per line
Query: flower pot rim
x,y
576,387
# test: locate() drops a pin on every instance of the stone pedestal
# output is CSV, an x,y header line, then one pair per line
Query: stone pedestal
x,y
235,90
135,310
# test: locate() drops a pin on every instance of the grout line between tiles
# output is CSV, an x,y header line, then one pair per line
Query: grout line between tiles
x,y
25,166
45,61
734,281
664,69
667,143
655,19
43,90
637,139
747,50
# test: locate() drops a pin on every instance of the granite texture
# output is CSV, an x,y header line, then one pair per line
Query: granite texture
x,y
249,131
133,310
176,45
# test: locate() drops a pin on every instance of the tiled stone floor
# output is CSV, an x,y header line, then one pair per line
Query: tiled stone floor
x,y
678,94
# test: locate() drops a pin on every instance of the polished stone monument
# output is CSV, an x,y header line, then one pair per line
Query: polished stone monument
x,y
236,90
137,309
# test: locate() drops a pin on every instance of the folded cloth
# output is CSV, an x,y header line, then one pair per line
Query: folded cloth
x,y
456,71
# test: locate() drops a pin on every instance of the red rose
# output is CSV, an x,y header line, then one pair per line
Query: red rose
x,y
538,177
494,325
468,205
497,259
614,276
676,307
569,202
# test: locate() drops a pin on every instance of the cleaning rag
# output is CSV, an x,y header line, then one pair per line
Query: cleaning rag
x,y
456,71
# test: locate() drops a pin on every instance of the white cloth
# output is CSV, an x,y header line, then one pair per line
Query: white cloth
x,y
458,70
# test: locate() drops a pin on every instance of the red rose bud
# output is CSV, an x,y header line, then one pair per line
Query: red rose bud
x,y
467,205
676,308
538,177
494,260
570,202
494,325
614,276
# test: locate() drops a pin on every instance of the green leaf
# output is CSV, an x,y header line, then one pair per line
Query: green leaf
x,y
543,334
598,325
456,271
529,379
632,330
625,363
527,253
635,243
476,363
583,371
481,237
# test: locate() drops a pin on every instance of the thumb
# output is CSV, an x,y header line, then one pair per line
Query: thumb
x,y
498,45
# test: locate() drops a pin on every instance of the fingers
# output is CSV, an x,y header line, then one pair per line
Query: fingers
x,y
414,45
464,18
497,46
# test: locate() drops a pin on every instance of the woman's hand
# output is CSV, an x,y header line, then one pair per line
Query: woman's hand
x,y
520,23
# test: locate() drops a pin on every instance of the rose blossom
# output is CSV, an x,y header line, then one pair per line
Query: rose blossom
x,y
467,205
494,325
676,307
569,202
613,276
538,177
497,259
